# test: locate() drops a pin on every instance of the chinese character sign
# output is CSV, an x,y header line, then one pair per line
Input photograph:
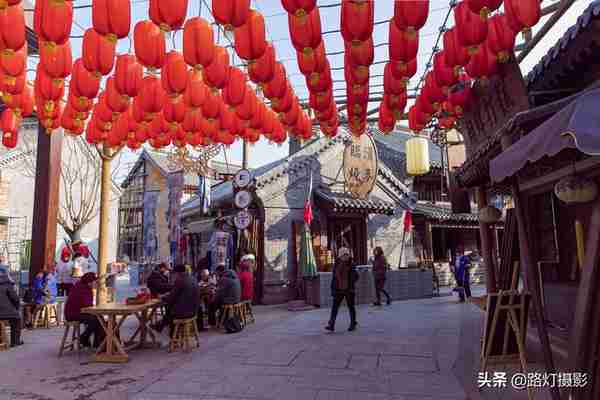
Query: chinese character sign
x,y
360,166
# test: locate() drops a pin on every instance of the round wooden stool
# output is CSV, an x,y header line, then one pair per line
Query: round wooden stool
x,y
45,316
183,332
73,343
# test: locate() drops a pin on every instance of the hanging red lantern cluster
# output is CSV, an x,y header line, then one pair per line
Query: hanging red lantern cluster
x,y
357,20
304,22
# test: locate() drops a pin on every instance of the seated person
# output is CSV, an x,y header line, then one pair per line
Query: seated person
x,y
247,277
158,280
9,308
82,296
182,301
228,293
207,286
44,290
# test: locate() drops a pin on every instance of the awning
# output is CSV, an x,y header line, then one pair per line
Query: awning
x,y
576,126
338,202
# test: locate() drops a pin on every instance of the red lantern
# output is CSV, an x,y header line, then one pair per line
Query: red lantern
x,y
470,28
79,104
168,14
320,101
115,100
411,15
198,43
276,86
128,75
456,55
444,75
256,121
192,121
57,61
232,13
53,20
83,82
402,46
331,111
149,43
311,62
48,88
447,122
501,37
234,92
357,93
415,122
229,121
104,113
299,8
247,109
13,63
483,64
174,74
305,31
460,95
212,105
72,126
396,103
151,95
250,39
12,27
112,18
283,103
20,103
196,91
174,110
357,20
98,53
261,70
10,127
425,106
522,14
209,128
483,7
217,72
290,117
360,53
391,85
12,84
404,71
386,120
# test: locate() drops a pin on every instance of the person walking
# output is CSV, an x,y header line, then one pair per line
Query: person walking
x,y
463,275
343,282
10,305
246,275
380,266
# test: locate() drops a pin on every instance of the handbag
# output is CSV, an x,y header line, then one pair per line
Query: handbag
x,y
233,324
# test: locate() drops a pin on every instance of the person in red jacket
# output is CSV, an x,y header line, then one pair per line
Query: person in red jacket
x,y
82,296
246,276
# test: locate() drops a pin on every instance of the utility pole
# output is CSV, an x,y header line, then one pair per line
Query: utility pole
x,y
244,154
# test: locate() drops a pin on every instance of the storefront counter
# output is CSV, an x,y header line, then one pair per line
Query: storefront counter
x,y
403,284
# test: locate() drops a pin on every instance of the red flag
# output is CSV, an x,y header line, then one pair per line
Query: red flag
x,y
308,214
407,221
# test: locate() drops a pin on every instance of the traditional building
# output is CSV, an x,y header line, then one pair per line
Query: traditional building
x,y
281,190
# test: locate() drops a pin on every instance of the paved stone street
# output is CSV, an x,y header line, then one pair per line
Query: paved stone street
x,y
404,351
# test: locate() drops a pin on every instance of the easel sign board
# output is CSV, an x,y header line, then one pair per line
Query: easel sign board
x,y
504,342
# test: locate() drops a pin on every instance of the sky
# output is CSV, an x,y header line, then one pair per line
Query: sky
x,y
277,31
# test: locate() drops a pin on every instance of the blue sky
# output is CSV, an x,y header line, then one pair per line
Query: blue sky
x,y
277,32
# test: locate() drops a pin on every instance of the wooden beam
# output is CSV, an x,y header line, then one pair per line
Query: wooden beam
x,y
589,166
46,198
529,45
531,283
581,352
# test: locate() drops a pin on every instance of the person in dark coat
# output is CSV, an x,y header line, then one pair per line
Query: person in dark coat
x,y
182,301
82,296
380,266
343,282
158,280
229,291
10,308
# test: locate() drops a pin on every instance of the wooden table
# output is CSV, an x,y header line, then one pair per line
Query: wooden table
x,y
111,317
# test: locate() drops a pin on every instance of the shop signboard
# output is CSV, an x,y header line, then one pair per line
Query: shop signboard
x,y
360,166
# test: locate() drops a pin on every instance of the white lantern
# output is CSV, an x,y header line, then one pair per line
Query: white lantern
x,y
417,156
489,214
576,189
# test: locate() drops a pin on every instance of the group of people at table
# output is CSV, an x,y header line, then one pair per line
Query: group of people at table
x,y
183,294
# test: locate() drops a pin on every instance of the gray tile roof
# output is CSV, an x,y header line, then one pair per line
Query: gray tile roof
x,y
444,214
343,202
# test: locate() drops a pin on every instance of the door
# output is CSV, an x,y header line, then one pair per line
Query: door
x,y
350,233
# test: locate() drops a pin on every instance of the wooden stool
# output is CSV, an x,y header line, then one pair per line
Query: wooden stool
x,y
45,316
4,340
248,315
231,309
183,332
73,343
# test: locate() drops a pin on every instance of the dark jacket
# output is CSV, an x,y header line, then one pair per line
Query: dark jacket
x,y
184,299
229,289
9,301
352,278
80,296
379,268
158,283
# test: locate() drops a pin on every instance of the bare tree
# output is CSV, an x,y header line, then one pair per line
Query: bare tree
x,y
79,181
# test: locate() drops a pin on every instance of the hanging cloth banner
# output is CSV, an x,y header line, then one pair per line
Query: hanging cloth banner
x,y
175,187
149,229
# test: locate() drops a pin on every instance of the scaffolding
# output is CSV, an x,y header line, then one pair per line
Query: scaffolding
x,y
14,245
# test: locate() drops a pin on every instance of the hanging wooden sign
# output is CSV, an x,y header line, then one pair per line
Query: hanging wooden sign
x,y
360,166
